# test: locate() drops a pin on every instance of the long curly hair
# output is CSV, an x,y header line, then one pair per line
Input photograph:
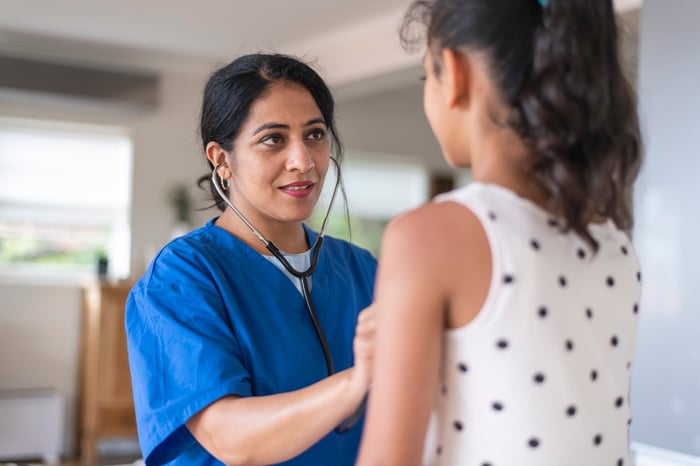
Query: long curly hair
x,y
557,67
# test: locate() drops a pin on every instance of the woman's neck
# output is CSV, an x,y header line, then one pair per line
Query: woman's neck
x,y
289,237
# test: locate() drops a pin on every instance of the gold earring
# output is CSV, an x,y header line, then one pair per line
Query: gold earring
x,y
225,184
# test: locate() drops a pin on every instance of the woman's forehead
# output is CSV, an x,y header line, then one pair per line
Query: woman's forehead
x,y
286,103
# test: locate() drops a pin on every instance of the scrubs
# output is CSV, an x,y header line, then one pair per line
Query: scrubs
x,y
211,317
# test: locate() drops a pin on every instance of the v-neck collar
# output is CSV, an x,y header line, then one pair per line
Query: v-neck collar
x,y
320,293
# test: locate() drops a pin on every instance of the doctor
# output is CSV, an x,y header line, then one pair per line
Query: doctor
x,y
229,363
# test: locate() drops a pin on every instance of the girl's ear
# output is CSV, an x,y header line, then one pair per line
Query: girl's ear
x,y
217,156
455,76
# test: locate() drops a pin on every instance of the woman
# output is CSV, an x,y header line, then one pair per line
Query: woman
x,y
226,361
515,325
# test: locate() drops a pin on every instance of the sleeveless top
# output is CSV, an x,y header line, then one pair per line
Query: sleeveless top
x,y
541,376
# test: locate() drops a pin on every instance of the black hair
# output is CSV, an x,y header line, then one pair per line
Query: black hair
x,y
232,90
557,67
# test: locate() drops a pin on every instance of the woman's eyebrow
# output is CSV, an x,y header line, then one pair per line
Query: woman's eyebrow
x,y
313,121
273,125
270,126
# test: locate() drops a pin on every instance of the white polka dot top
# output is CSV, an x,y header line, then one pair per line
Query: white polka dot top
x,y
541,376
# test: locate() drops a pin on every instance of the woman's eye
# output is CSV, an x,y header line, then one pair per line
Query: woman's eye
x,y
317,134
272,139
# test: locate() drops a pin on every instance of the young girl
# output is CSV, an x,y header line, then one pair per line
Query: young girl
x,y
507,309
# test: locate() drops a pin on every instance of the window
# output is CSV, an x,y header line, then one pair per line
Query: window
x,y
64,199
376,192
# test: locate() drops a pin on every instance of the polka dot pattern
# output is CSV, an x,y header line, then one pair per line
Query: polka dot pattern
x,y
557,340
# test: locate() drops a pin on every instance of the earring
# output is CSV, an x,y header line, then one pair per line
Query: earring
x,y
225,184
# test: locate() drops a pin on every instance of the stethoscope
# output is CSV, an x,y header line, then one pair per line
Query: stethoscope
x,y
303,275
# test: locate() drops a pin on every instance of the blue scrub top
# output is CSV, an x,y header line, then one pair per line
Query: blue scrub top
x,y
211,317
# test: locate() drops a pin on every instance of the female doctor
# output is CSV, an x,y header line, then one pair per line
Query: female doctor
x,y
234,358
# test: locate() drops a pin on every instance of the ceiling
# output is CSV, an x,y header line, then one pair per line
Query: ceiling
x,y
152,34
355,43
143,32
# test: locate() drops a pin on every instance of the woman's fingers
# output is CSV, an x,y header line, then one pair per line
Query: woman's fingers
x,y
363,344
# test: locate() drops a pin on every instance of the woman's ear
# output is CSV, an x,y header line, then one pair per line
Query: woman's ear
x,y
455,76
217,156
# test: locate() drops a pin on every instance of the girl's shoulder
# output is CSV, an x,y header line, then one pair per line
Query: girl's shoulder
x,y
435,237
440,224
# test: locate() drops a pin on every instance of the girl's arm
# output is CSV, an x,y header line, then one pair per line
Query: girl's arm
x,y
426,256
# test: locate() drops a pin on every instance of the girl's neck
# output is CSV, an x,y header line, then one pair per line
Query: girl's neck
x,y
500,157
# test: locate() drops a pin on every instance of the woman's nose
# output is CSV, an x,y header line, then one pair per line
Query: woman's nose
x,y
299,158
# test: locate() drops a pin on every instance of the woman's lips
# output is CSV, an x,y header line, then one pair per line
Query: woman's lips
x,y
298,189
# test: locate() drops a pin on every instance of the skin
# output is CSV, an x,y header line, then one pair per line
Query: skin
x,y
283,141
421,291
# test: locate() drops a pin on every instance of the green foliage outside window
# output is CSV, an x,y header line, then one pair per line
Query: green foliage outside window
x,y
52,246
364,232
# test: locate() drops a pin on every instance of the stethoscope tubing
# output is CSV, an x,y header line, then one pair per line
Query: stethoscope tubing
x,y
303,275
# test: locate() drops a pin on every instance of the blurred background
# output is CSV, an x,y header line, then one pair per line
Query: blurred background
x,y
99,157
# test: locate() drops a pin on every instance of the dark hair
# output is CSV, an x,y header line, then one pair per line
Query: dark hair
x,y
557,67
232,89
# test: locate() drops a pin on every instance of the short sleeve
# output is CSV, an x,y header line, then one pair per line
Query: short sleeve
x,y
183,354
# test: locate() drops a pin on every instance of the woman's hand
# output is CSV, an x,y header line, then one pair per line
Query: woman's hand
x,y
274,428
363,347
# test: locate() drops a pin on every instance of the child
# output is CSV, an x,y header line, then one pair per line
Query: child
x,y
508,309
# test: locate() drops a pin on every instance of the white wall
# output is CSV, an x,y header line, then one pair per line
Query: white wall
x,y
666,377
391,122
39,341
167,148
